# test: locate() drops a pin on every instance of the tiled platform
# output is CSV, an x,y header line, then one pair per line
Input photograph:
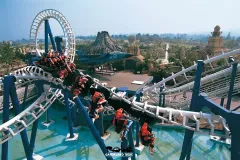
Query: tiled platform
x,y
50,143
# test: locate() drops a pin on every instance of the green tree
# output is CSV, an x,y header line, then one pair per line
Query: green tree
x,y
221,62
172,59
125,45
230,44
7,54
131,39
228,36
119,65
84,48
238,39
160,73
19,55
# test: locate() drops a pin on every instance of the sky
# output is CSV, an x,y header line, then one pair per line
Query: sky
x,y
87,17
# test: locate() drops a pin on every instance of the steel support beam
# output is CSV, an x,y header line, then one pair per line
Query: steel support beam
x,y
46,51
92,127
137,124
49,32
236,108
17,109
46,36
39,85
233,122
195,106
131,143
215,108
222,102
33,137
58,41
133,126
7,82
70,126
163,103
160,97
234,73
24,98
124,145
74,115
99,124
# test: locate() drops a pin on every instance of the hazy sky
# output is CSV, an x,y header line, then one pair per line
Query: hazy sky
x,y
121,16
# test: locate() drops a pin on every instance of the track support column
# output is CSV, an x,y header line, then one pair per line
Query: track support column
x,y
233,120
73,115
6,91
195,106
222,102
99,124
92,127
24,98
133,126
39,85
131,143
49,32
137,123
124,146
137,136
46,51
17,109
70,126
160,96
231,87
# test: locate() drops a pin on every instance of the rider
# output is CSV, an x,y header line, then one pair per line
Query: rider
x,y
78,85
96,105
147,137
121,122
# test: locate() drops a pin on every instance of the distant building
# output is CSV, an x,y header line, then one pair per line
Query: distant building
x,y
215,42
162,62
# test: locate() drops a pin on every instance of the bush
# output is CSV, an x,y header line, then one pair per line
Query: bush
x,y
119,65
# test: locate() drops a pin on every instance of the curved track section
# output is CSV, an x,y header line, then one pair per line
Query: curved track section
x,y
193,68
172,115
28,116
67,30
152,93
36,73
31,94
215,86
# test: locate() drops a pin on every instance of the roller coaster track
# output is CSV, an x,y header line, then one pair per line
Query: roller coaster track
x,y
214,82
31,94
67,30
209,83
169,115
33,112
28,116
215,86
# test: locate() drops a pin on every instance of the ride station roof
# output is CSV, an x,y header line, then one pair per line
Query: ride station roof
x,y
125,79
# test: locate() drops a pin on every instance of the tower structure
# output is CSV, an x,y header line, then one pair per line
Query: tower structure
x,y
215,42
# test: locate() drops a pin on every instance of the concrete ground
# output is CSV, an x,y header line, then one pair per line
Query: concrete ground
x,y
51,145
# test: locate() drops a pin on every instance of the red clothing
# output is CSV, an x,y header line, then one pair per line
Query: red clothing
x,y
145,132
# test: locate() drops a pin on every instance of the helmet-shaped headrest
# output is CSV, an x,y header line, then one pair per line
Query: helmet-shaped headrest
x,y
120,110
97,94
144,126
119,113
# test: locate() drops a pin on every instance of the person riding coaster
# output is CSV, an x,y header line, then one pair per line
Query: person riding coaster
x,y
96,105
121,123
147,138
56,64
